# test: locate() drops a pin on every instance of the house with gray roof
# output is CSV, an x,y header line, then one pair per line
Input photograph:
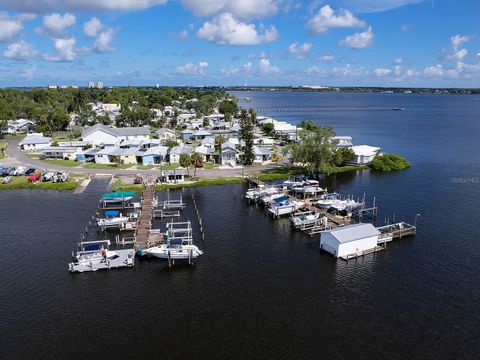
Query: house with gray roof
x,y
34,142
262,154
228,154
176,151
102,134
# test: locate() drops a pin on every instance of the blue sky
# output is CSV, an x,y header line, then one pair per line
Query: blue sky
x,y
235,42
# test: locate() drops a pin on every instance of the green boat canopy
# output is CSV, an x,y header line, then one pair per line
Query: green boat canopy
x,y
118,195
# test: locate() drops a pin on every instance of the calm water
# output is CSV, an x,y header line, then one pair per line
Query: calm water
x,y
261,290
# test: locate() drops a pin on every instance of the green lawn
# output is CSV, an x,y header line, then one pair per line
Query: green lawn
x,y
59,162
106,166
210,166
285,172
21,182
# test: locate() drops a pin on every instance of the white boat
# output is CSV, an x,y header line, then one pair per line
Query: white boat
x,y
302,219
92,252
295,181
252,193
60,177
268,200
117,196
48,176
284,206
308,187
327,200
342,205
112,218
179,244
268,192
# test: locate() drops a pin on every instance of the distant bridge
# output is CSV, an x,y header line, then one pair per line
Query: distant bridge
x,y
273,110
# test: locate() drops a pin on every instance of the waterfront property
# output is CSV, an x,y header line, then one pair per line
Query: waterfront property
x,y
364,154
350,239
100,134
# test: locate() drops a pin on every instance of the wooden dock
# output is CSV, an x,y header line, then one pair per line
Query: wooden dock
x,y
145,236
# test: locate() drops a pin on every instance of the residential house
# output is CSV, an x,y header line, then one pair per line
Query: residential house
x,y
187,135
228,154
176,151
176,176
101,134
165,134
87,155
20,125
207,152
60,152
155,155
364,154
34,142
262,154
79,145
128,156
202,134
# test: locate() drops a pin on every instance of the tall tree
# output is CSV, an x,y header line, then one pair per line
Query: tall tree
x,y
247,135
197,161
315,150
185,161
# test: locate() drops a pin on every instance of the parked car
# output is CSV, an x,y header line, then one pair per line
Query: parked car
x,y
34,177
6,179
8,171
48,176
20,170
138,180
29,171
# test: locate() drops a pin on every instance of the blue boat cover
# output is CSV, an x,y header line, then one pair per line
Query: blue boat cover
x,y
112,213
280,199
118,194
91,247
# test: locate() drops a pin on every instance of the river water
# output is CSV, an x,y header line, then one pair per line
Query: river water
x,y
261,290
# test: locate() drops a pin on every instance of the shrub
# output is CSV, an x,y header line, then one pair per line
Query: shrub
x,y
389,162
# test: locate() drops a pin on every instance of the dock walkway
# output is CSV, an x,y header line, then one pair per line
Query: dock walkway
x,y
145,236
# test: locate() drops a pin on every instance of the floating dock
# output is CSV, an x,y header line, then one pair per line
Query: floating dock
x,y
125,259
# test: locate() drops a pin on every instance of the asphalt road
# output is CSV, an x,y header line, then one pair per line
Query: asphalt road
x,y
16,157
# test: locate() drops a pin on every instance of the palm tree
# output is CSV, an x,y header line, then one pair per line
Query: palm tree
x,y
185,161
197,160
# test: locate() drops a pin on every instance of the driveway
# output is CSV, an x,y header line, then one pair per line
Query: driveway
x,y
16,157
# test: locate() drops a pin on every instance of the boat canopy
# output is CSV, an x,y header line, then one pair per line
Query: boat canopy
x,y
118,194
280,199
112,213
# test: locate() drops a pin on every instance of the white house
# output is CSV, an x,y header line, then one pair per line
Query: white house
x,y
101,134
176,151
165,134
364,154
19,125
262,154
60,152
350,239
35,142
111,107
228,154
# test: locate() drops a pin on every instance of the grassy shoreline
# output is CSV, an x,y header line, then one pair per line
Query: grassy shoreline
x,y
21,182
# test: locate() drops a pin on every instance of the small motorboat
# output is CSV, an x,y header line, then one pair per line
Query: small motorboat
x,y
117,196
303,219
327,200
112,219
285,206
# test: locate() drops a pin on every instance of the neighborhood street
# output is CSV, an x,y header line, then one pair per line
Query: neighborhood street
x,y
16,157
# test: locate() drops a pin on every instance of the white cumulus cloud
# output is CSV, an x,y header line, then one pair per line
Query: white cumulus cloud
x,y
458,55
359,40
192,69
300,51
92,27
266,68
245,9
39,6
65,50
436,70
56,25
20,50
326,19
10,27
104,40
226,30
458,40
236,71
382,72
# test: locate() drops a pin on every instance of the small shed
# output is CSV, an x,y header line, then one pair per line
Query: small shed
x,y
350,239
